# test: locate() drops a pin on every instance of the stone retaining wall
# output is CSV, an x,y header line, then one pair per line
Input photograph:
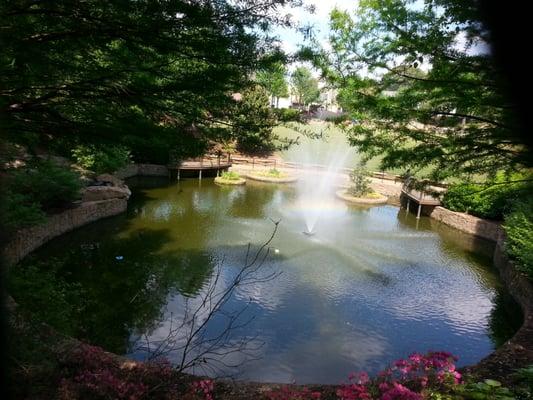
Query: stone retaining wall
x,y
142,170
518,351
483,228
29,239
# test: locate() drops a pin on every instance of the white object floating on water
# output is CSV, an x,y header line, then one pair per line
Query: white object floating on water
x,y
119,258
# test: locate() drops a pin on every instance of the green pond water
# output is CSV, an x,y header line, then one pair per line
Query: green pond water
x,y
372,285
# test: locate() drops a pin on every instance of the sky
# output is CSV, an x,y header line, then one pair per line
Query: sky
x,y
319,20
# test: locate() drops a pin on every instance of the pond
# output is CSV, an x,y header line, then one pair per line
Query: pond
x,y
372,285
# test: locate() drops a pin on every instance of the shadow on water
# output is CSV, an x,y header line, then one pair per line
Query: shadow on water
x,y
126,281
505,319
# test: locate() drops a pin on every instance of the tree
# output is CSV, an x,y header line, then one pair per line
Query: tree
x,y
254,120
128,73
273,80
422,82
305,87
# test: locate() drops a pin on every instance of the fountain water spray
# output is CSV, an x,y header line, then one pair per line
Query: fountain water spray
x,y
316,186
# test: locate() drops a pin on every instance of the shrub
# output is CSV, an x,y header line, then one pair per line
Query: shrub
x,y
91,373
20,211
491,200
519,228
288,115
36,188
275,173
101,159
361,182
488,389
230,176
45,183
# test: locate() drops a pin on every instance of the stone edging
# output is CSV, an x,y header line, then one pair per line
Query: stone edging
x,y
27,240
342,194
480,227
518,351
141,170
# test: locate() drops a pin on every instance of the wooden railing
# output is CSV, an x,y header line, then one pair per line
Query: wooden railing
x,y
424,193
267,162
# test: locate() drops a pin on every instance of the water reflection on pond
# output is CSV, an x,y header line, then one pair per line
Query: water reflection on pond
x,y
371,286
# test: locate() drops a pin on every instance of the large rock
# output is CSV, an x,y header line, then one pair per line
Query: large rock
x,y
110,180
98,193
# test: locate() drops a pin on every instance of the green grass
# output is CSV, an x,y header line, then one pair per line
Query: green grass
x,y
230,176
272,173
325,140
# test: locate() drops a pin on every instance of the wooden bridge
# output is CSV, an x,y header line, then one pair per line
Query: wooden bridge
x,y
429,195
199,165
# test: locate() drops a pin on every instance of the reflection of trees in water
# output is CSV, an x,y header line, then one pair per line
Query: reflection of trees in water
x,y
505,320
251,202
129,293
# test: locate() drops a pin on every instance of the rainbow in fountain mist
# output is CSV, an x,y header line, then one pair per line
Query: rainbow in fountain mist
x,y
316,188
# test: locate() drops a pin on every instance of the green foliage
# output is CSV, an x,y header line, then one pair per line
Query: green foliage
x,y
100,159
489,389
129,73
275,173
21,211
36,188
230,176
305,87
442,105
288,115
45,183
523,386
360,182
519,228
254,122
272,173
491,200
39,287
274,81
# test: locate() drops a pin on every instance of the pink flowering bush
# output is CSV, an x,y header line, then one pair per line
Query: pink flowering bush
x,y
406,379
204,388
91,373
413,378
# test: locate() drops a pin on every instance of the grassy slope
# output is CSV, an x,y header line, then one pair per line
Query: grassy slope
x,y
321,150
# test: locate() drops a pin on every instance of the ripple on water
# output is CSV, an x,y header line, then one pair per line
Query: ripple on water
x,y
371,286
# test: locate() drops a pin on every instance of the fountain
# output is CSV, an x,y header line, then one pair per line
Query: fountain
x,y
316,189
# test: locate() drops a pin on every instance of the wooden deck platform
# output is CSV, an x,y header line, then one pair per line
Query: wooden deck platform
x,y
429,197
198,165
